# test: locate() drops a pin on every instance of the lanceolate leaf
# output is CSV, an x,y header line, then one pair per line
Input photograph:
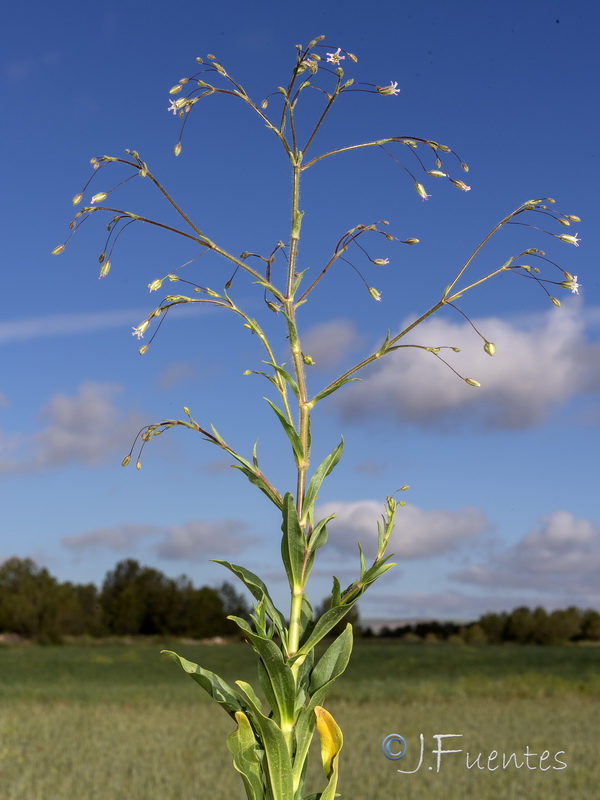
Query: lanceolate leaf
x,y
324,624
260,592
287,378
216,687
331,744
333,662
293,543
330,666
322,471
280,676
277,755
244,747
290,431
330,389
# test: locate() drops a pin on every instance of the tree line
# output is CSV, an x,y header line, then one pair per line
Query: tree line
x,y
133,600
520,626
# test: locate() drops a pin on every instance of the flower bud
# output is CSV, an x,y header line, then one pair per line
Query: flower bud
x,y
490,348
177,148
98,198
573,218
175,89
380,262
410,241
471,382
126,461
437,173
375,294
77,199
462,186
421,190
58,250
105,269
143,349
404,488
308,360
138,464
555,301
155,285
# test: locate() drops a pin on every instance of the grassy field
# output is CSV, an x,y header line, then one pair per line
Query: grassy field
x,y
97,722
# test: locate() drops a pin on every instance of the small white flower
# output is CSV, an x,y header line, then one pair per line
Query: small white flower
x,y
141,329
335,58
573,285
391,89
173,107
569,239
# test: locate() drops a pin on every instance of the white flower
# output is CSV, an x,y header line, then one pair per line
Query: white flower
x,y
572,285
173,107
141,329
569,239
335,58
391,89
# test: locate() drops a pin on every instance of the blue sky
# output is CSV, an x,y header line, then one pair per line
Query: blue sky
x,y
503,506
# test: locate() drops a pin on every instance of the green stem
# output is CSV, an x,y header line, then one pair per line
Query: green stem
x,y
303,406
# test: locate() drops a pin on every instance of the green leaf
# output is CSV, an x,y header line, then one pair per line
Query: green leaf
x,y
279,763
332,663
322,471
290,432
216,687
293,543
330,389
319,535
286,376
256,478
280,677
324,624
260,592
245,749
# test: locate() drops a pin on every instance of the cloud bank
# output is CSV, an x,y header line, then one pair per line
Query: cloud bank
x,y
194,541
562,553
540,364
85,428
418,533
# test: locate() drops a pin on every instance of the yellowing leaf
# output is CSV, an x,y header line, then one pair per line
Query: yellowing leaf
x,y
331,739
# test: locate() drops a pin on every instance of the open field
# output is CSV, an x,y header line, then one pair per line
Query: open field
x,y
97,722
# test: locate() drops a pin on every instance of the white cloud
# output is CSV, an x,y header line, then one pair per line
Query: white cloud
x,y
86,428
196,540
329,342
562,555
540,363
418,533
193,541
21,330
122,539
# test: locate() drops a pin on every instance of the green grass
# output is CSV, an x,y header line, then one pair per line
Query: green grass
x,y
98,722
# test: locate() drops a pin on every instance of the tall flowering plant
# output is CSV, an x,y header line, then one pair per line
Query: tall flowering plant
x,y
271,741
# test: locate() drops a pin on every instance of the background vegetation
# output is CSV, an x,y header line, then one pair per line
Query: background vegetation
x,y
141,601
101,721
133,600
